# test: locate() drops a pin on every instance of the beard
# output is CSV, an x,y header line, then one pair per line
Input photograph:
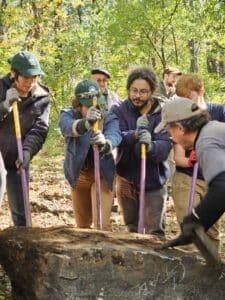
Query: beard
x,y
138,107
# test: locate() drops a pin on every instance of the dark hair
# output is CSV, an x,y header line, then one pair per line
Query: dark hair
x,y
16,74
194,123
145,74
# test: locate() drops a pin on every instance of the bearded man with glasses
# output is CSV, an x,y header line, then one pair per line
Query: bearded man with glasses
x,y
138,116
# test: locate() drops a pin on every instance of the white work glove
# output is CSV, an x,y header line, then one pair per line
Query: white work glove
x,y
144,137
93,115
11,96
142,121
104,145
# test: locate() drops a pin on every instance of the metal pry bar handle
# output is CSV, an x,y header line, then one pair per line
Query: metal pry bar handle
x,y
141,228
98,220
21,170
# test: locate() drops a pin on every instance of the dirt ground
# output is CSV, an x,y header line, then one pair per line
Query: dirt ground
x,y
51,206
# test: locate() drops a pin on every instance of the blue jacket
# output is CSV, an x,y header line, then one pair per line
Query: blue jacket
x,y
77,147
217,113
129,158
34,122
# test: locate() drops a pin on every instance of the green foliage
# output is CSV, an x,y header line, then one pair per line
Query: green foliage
x,y
72,36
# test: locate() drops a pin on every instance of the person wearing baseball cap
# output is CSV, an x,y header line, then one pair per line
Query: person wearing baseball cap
x,y
101,76
23,85
76,124
166,88
26,64
178,110
189,125
167,85
191,86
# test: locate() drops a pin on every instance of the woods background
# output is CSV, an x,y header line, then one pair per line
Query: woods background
x,y
69,37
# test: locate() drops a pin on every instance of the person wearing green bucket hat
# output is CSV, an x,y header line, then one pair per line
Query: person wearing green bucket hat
x,y
22,85
76,124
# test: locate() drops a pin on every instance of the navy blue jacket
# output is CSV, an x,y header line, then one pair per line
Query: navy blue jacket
x,y
129,157
77,148
34,122
217,113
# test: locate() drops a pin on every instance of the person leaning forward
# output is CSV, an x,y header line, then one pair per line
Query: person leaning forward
x,y
189,125
138,115
76,123
191,87
23,85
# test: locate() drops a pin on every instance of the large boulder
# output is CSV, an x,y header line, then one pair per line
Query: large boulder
x,y
67,263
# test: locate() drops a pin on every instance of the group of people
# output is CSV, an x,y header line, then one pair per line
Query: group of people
x,y
171,119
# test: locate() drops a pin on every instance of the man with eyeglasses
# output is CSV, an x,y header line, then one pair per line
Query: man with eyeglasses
x,y
138,115
101,76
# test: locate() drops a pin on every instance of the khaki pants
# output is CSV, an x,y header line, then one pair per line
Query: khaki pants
x,y
84,201
180,192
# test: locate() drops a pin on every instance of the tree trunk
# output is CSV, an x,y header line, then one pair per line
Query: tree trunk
x,y
194,58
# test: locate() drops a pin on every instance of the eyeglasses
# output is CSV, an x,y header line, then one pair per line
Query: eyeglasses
x,y
101,80
142,92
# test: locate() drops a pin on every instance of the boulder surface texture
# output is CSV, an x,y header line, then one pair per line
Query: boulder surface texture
x,y
64,263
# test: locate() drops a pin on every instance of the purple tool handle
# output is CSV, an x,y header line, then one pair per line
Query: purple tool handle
x,y
97,187
193,186
141,228
24,184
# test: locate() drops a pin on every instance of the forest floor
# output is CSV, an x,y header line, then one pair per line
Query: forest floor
x,y
51,206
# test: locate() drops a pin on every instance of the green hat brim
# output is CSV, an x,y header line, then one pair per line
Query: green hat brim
x,y
32,72
89,101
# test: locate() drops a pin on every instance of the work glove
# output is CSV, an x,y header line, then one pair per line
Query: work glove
x,y
188,226
142,121
26,160
93,115
104,145
192,158
144,137
83,125
11,96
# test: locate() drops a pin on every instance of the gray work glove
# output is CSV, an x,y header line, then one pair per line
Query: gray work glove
x,y
142,121
104,145
11,96
26,160
93,115
144,137
83,125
